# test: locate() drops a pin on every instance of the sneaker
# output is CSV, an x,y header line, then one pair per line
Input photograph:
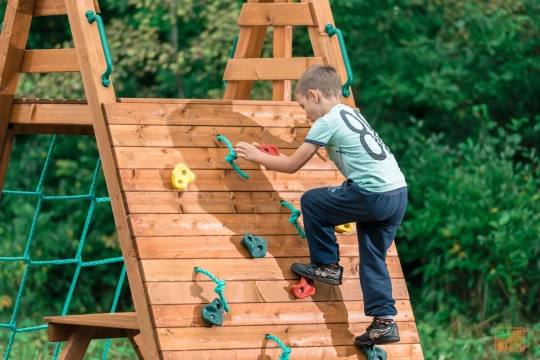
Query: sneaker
x,y
379,332
330,274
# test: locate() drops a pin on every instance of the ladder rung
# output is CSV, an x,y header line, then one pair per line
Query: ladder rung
x,y
49,61
269,69
277,14
50,7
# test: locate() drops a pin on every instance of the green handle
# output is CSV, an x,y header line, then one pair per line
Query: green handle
x,y
105,78
1,26
335,31
231,55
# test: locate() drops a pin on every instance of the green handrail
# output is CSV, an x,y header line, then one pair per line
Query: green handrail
x,y
231,55
331,30
105,78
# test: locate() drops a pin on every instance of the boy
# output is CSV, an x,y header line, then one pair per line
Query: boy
x,y
374,196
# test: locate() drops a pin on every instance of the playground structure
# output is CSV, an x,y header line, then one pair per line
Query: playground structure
x,y
167,233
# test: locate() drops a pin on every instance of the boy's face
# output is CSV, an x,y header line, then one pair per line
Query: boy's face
x,y
311,104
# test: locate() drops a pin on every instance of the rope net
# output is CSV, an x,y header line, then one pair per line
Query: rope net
x,y
26,261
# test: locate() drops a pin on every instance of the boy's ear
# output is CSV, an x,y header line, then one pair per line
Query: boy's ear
x,y
312,95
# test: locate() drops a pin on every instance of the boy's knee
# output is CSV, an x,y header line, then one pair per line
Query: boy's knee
x,y
308,199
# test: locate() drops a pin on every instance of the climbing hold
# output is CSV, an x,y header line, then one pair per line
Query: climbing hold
x,y
213,313
182,176
286,350
256,245
344,228
294,218
303,289
232,156
373,352
269,149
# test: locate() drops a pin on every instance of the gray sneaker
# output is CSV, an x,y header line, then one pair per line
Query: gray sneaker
x,y
330,274
379,332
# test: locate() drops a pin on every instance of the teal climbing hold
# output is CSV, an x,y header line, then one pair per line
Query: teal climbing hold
x,y
373,352
213,313
286,350
294,217
256,245
232,156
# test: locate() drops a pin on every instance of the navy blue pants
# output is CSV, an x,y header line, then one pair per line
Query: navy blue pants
x,y
377,217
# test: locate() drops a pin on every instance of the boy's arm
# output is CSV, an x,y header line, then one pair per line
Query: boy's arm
x,y
285,164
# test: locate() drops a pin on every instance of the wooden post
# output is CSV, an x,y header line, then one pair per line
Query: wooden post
x,y
92,63
12,45
4,160
282,49
78,343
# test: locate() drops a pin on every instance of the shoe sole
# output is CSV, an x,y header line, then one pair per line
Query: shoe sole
x,y
331,282
392,340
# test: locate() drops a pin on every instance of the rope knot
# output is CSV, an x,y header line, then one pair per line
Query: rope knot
x,y
231,157
220,287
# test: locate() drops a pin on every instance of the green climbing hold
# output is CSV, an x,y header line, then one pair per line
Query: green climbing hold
x,y
213,313
373,352
256,245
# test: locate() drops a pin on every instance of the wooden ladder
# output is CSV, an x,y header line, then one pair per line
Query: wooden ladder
x,y
247,65
69,117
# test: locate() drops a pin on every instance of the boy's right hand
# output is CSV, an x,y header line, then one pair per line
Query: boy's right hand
x,y
247,152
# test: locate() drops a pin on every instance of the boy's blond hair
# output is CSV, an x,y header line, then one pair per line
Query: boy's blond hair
x,y
319,77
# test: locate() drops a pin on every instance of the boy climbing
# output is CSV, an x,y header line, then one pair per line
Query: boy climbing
x,y
374,196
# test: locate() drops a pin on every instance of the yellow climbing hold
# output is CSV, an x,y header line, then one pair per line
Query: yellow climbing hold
x,y
344,228
182,176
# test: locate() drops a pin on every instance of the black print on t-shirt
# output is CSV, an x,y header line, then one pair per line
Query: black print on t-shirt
x,y
365,131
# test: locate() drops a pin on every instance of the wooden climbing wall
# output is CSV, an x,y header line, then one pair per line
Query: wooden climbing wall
x,y
174,231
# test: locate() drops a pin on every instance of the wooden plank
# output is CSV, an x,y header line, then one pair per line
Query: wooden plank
x,y
4,160
50,61
13,39
282,90
253,337
283,313
204,136
276,15
229,180
395,352
51,114
246,269
135,339
197,159
209,113
50,7
269,69
114,320
54,129
229,247
255,104
179,293
209,202
325,46
62,332
92,61
78,343
211,224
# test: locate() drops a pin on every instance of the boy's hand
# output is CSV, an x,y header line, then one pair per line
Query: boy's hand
x,y
247,151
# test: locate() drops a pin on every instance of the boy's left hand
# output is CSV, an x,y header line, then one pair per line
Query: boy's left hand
x,y
247,151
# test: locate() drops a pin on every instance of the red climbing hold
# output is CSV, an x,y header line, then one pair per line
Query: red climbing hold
x,y
303,289
269,149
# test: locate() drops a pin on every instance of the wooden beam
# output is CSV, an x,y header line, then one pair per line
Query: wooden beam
x,y
54,129
348,352
276,14
50,61
50,7
245,269
4,160
260,291
135,339
78,343
126,320
282,49
92,61
229,247
12,46
51,114
62,332
269,69
281,313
